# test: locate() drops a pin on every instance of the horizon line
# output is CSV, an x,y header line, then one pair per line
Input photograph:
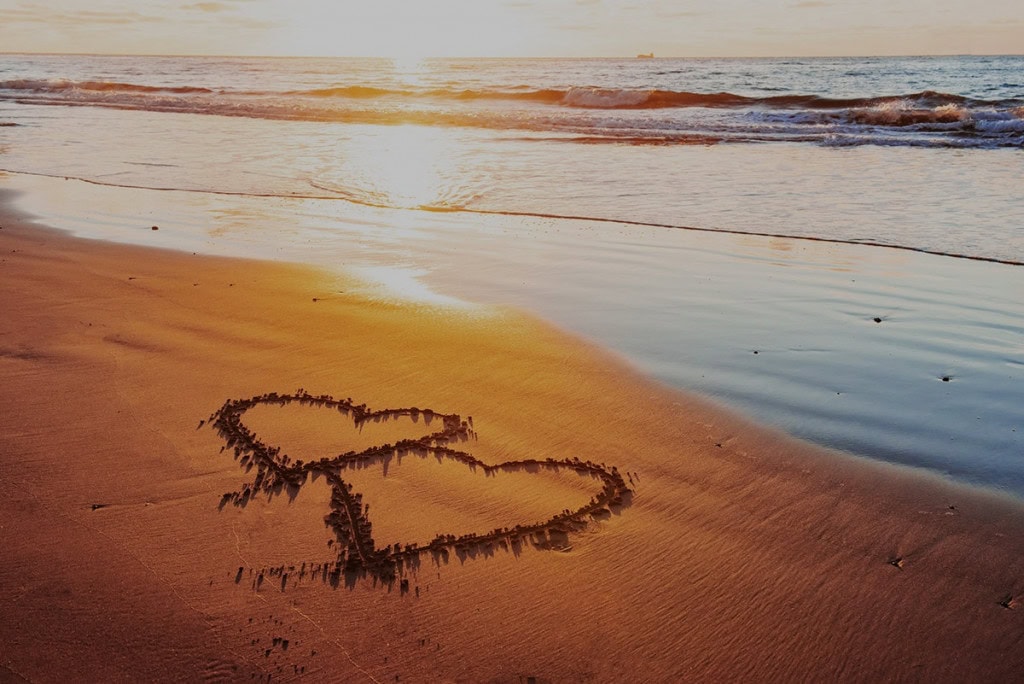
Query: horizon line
x,y
508,57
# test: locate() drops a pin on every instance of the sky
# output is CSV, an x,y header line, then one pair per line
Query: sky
x,y
520,28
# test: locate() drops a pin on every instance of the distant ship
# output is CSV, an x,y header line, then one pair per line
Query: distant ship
x,y
649,55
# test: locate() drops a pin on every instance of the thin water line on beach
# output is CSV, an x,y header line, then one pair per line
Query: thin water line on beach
x,y
436,209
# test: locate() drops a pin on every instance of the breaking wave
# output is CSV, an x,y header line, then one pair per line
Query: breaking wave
x,y
592,114
59,85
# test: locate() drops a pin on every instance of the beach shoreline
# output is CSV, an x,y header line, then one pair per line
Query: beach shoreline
x,y
901,357
742,552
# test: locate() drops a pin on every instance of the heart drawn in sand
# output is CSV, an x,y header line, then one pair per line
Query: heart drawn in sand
x,y
358,555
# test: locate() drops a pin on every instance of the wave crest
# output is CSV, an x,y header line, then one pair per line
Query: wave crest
x,y
57,85
924,118
605,98
575,96
907,113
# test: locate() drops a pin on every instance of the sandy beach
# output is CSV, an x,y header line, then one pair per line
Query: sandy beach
x,y
736,553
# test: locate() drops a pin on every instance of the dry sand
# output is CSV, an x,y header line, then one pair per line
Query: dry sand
x,y
742,554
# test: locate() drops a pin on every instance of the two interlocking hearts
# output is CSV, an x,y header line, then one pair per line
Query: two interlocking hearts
x,y
358,553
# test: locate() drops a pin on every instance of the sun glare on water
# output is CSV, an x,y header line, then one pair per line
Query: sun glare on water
x,y
410,69
403,166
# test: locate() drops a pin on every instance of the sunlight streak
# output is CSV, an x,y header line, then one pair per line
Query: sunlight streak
x,y
405,167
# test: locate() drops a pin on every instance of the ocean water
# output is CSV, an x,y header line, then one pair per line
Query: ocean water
x,y
733,226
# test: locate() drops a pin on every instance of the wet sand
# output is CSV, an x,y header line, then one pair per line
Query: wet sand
x,y
736,553
842,345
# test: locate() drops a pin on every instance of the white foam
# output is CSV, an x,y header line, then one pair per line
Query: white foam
x,y
604,98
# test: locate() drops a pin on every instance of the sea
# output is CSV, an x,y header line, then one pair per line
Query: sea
x,y
830,246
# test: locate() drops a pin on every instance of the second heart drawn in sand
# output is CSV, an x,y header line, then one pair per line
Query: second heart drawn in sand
x,y
275,473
